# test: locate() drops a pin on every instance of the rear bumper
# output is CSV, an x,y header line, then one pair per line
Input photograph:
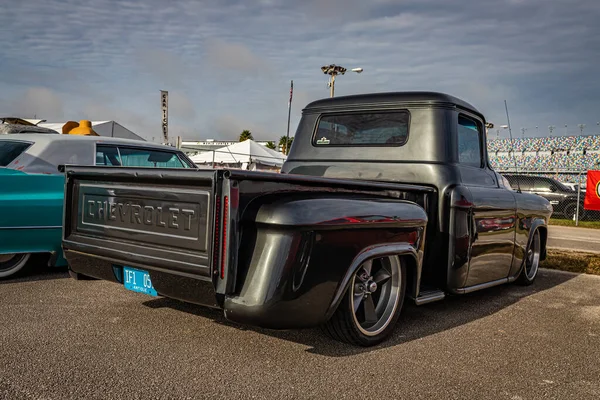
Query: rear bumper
x,y
167,283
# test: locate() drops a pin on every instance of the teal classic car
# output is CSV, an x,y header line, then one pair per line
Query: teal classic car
x,y
32,187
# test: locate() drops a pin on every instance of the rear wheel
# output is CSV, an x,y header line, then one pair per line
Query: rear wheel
x,y
10,264
570,210
372,304
532,261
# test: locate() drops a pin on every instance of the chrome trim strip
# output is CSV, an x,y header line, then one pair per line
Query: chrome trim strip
x,y
486,285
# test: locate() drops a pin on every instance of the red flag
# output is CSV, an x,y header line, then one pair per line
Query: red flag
x,y
592,195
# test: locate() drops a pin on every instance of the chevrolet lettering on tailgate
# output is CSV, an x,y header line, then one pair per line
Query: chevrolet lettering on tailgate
x,y
136,214
140,214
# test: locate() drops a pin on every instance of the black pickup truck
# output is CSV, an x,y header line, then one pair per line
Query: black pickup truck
x,y
383,197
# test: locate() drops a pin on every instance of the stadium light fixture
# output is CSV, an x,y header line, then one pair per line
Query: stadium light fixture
x,y
333,71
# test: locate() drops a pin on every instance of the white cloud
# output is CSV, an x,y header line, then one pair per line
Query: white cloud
x,y
234,57
38,101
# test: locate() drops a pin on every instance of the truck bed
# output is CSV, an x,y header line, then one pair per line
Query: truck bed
x,y
192,226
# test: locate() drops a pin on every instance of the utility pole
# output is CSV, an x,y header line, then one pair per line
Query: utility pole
x,y
287,136
333,71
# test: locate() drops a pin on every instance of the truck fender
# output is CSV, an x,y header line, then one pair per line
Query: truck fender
x,y
389,249
292,267
332,212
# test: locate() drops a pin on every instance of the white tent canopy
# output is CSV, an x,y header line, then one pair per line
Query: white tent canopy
x,y
247,151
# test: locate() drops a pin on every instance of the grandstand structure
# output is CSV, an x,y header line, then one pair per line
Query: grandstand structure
x,y
565,158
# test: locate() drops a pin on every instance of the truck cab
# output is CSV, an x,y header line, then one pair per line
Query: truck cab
x,y
435,140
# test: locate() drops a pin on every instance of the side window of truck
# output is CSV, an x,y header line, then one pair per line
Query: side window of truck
x,y
469,142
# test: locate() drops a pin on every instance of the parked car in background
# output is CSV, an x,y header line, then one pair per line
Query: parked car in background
x,y
574,187
562,198
32,187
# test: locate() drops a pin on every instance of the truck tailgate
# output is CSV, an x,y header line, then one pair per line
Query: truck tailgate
x,y
137,217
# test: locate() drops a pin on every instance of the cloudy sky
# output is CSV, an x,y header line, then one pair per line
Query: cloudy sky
x,y
227,64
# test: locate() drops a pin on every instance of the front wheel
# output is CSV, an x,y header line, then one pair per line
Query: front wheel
x,y
10,264
372,304
532,261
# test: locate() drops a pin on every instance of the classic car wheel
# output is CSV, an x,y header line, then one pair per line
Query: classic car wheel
x,y
532,261
10,264
372,304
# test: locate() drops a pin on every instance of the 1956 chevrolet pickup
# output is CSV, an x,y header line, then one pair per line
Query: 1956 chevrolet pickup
x,y
383,197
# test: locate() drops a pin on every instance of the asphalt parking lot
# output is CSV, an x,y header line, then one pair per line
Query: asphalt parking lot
x,y
62,339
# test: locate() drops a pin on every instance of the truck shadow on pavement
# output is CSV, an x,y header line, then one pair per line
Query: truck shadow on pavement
x,y
37,270
415,322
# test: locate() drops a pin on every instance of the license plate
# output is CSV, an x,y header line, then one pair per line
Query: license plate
x,y
138,280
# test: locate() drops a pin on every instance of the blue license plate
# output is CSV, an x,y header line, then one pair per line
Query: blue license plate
x,y
138,280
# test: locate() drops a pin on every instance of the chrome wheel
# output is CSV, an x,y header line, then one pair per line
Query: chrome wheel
x,y
375,294
532,261
12,263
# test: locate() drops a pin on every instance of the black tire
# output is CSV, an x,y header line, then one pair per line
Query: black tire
x,y
531,263
389,293
569,210
11,264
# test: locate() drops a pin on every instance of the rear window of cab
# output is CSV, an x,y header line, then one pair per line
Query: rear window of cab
x,y
382,128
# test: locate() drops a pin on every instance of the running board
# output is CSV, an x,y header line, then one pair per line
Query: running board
x,y
429,296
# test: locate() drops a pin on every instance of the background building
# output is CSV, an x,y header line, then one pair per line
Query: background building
x,y
201,146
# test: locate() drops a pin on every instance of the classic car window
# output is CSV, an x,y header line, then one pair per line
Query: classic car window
x,y
469,142
10,150
114,155
363,129
107,155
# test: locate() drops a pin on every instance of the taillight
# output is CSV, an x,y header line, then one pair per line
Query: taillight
x,y
224,241
217,234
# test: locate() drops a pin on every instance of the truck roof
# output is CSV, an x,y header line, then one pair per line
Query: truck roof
x,y
391,98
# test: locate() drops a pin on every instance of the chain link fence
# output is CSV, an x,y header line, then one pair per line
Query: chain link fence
x,y
564,189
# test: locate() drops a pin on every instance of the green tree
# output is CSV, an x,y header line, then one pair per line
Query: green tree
x,y
285,144
245,135
271,145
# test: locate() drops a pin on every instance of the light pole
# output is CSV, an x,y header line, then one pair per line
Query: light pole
x,y
581,127
333,71
551,128
523,132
